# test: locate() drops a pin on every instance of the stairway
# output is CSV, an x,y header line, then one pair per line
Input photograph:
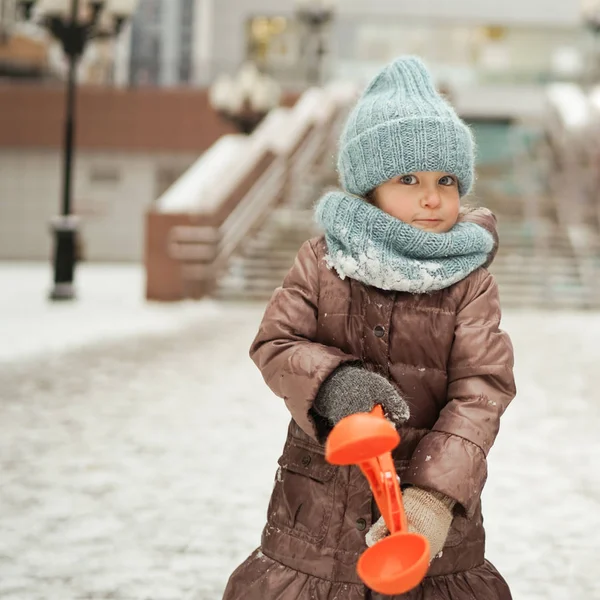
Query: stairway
x,y
264,260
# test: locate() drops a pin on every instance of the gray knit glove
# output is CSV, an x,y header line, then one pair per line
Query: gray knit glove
x,y
351,389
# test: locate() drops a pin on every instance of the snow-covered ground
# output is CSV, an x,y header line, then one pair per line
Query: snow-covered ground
x,y
110,305
138,445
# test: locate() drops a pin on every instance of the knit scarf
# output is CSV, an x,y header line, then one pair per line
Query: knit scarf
x,y
367,244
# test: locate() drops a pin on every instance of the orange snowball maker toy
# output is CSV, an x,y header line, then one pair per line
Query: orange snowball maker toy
x,y
400,561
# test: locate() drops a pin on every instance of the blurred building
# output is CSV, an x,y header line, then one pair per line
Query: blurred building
x,y
491,55
135,138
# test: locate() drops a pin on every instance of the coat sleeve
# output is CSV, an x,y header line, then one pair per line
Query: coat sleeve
x,y
452,458
292,363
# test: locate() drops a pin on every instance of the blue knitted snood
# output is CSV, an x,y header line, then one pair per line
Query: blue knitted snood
x,y
367,244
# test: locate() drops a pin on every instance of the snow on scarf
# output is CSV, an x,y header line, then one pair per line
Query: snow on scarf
x,y
367,244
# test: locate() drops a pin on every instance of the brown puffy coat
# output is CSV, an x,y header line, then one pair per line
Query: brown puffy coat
x,y
448,357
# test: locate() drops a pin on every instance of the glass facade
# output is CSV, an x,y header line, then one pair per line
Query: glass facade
x,y
162,42
146,43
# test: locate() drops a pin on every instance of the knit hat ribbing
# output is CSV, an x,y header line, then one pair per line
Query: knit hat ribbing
x,y
401,125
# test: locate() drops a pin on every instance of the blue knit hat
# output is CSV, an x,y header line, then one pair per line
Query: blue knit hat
x,y
401,125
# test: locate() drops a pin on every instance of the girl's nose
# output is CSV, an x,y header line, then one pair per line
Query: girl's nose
x,y
431,199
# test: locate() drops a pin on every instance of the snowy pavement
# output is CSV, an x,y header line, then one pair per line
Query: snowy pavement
x,y
110,305
138,445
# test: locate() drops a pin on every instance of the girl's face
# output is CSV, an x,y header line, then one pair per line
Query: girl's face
x,y
428,200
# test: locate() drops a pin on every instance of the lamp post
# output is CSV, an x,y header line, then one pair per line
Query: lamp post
x,y
73,23
246,98
315,16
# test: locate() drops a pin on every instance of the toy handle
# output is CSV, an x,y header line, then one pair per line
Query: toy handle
x,y
381,474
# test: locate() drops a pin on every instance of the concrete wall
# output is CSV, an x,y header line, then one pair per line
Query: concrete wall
x,y
113,191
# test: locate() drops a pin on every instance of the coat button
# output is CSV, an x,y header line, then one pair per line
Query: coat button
x,y
306,460
361,524
379,331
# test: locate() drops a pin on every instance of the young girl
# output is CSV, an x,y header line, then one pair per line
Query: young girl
x,y
392,306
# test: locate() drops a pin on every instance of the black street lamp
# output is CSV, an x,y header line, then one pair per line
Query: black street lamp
x,y
73,23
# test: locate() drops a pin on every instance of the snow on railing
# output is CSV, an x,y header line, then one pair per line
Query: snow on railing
x,y
200,187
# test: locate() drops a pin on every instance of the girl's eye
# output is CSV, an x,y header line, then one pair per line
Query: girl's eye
x,y
408,179
447,180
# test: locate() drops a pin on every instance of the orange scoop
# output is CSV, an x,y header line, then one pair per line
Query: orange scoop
x,y
399,562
